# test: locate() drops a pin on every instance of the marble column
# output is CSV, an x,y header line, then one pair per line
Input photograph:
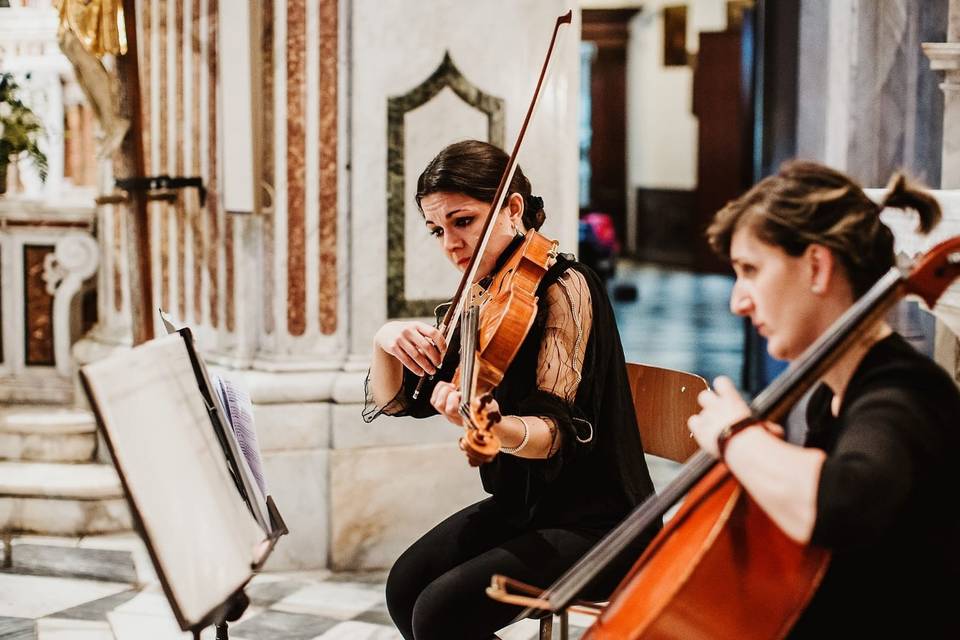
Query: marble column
x,y
945,56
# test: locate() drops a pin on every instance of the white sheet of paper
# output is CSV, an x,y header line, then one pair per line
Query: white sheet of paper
x,y
200,530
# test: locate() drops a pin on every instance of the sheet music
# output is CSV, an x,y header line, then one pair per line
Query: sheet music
x,y
255,494
199,530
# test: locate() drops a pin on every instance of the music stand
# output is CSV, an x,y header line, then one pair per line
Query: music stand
x,y
178,459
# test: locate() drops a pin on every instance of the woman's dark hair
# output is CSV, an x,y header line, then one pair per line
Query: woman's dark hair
x,y
473,168
807,203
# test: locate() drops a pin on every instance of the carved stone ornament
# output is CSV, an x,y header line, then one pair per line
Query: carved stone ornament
x,y
445,75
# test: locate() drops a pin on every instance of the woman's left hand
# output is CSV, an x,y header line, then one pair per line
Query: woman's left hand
x,y
721,407
446,400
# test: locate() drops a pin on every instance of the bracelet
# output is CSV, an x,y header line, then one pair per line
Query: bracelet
x,y
523,443
731,430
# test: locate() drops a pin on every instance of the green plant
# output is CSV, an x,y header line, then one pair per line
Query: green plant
x,y
20,128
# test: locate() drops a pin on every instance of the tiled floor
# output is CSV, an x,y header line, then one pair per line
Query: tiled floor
x,y
104,588
69,589
679,320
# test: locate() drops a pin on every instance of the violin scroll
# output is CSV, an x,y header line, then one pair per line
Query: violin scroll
x,y
480,443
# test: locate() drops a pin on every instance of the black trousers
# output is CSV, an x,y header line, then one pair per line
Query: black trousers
x,y
436,589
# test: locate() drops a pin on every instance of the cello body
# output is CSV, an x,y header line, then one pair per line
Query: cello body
x,y
720,569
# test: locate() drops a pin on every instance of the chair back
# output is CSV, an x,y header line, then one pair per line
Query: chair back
x,y
663,400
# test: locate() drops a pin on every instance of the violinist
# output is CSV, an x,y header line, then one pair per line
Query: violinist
x,y
875,482
571,464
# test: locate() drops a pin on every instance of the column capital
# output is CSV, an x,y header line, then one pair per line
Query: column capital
x,y
944,56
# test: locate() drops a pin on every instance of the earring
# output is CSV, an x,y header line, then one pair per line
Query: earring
x,y
816,288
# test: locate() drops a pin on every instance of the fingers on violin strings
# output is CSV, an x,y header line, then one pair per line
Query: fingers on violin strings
x,y
439,395
452,406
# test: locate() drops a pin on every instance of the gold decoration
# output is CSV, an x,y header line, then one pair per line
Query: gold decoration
x,y
98,24
89,29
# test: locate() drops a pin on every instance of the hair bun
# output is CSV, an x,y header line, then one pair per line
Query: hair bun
x,y
901,194
533,213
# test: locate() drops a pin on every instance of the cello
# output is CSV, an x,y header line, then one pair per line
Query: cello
x,y
721,568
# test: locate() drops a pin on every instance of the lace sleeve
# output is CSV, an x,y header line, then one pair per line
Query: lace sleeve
x,y
568,322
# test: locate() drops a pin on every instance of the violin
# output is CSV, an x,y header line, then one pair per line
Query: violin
x,y
720,567
494,322
494,325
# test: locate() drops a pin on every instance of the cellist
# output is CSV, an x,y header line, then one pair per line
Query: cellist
x,y
874,482
571,464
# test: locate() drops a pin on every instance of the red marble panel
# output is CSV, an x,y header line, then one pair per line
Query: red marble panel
x,y
196,220
38,315
213,197
296,166
328,166
146,87
2,319
267,167
162,209
180,205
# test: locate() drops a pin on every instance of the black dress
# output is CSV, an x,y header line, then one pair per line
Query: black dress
x,y
887,501
542,515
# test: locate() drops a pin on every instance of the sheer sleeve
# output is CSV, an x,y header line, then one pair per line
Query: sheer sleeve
x,y
568,324
569,319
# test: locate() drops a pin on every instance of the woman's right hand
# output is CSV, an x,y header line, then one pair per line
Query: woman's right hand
x,y
417,345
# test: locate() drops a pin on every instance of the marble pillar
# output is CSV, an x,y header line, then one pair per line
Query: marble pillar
x,y
868,107
945,57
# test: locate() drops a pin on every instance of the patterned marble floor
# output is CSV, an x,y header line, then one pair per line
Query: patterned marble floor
x,y
103,588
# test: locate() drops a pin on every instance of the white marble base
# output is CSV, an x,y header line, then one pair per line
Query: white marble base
x,y
39,479
383,498
47,434
350,431
65,517
298,426
298,482
48,448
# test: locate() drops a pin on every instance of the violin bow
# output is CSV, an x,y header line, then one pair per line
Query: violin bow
x,y
450,320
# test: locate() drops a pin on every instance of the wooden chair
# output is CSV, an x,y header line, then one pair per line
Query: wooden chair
x,y
663,400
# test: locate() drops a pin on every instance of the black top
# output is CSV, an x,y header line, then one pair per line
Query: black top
x,y
887,501
599,473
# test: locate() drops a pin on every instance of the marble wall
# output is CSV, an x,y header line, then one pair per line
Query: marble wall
x,y
868,104
286,300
